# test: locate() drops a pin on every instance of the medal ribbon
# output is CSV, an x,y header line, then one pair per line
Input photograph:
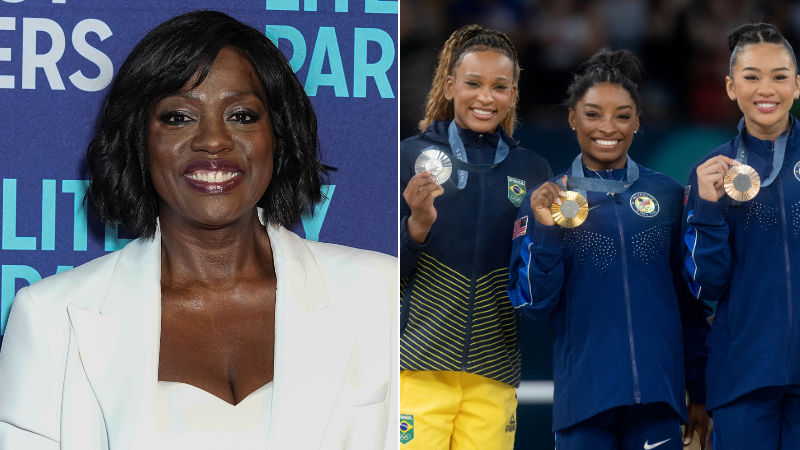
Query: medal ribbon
x,y
463,166
578,182
778,152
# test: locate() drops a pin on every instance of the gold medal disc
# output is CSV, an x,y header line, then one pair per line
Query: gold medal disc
x,y
741,183
437,162
572,211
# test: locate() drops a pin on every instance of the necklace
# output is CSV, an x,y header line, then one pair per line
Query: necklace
x,y
598,176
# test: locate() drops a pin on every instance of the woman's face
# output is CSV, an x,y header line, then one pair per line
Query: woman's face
x,y
605,120
482,90
211,147
764,84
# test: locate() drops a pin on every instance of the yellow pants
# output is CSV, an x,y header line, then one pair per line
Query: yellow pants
x,y
456,411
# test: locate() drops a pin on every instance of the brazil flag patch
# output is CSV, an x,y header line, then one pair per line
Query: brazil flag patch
x,y
406,428
516,190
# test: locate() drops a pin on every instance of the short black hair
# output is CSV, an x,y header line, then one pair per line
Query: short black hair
x,y
756,33
121,190
616,67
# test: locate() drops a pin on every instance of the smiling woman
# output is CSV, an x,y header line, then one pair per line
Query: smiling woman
x,y
624,353
191,137
482,90
604,121
460,341
754,359
207,148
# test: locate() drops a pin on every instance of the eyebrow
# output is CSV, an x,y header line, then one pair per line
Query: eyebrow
x,y
592,105
759,70
475,75
230,94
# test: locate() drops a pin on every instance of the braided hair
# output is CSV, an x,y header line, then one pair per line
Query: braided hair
x,y
616,67
755,33
465,40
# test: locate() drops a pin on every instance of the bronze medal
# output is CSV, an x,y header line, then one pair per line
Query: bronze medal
x,y
741,182
572,211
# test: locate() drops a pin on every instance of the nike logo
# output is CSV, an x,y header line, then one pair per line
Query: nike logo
x,y
648,447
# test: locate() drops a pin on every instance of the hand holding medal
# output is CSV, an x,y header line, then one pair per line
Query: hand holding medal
x,y
712,176
544,198
721,174
420,192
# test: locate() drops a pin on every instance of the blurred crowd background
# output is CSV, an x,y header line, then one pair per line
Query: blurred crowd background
x,y
686,112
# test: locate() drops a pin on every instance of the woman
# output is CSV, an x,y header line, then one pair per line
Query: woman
x,y
213,328
459,334
743,254
611,286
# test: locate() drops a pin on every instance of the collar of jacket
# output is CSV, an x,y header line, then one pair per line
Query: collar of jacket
x,y
764,146
437,132
616,174
118,337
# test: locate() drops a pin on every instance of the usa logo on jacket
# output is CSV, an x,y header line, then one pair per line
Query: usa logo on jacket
x,y
644,204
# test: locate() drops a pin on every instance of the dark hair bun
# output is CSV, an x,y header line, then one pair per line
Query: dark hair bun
x,y
753,33
619,67
623,62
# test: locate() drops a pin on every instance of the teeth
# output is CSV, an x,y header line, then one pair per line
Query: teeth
x,y
482,113
604,142
212,177
766,105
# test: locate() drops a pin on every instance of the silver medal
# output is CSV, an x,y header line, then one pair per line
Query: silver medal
x,y
437,163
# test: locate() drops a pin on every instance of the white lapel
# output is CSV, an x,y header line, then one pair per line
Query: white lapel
x,y
314,340
118,342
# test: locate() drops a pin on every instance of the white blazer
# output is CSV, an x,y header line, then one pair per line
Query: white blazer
x,y
79,362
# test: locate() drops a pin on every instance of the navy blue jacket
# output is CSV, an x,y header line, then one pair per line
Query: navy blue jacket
x,y
609,289
747,258
455,314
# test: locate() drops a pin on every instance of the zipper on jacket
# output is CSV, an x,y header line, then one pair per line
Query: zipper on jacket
x,y
475,258
637,395
788,273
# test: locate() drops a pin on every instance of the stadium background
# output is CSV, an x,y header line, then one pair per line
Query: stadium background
x,y
686,112
57,58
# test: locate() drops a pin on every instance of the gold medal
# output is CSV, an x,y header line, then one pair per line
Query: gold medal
x,y
572,212
437,163
741,183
